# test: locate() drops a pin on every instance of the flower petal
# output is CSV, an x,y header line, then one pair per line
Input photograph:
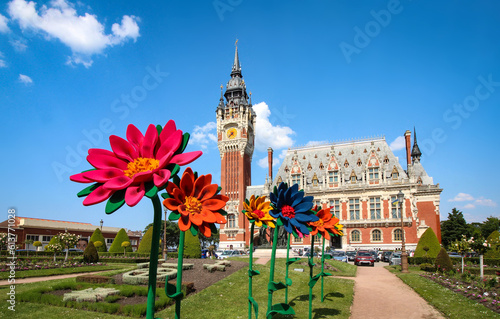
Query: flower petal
x,y
184,223
119,182
213,204
161,177
170,145
303,207
185,158
149,143
103,175
220,219
171,204
196,219
168,130
134,136
205,230
106,161
99,195
208,216
80,178
122,148
208,192
134,194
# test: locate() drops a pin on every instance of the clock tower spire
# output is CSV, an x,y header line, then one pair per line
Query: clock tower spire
x,y
236,135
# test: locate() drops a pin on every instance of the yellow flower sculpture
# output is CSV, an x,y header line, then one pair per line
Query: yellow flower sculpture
x,y
257,209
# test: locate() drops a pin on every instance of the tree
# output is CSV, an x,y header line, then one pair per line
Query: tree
x,y
28,242
3,240
116,246
209,241
192,248
443,262
98,244
461,246
125,245
493,241
428,240
172,233
68,240
474,229
37,244
56,247
453,228
53,240
489,226
145,244
90,254
97,236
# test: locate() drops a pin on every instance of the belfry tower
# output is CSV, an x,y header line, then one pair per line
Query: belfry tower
x,y
236,134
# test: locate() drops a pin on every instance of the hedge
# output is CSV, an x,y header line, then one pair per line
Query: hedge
x,y
97,236
116,246
429,240
473,260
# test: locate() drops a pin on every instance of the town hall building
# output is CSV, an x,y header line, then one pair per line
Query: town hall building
x,y
359,180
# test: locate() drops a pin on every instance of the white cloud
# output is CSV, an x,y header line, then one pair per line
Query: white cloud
x,y
264,163
25,79
204,135
267,134
83,34
3,64
3,24
469,206
316,143
19,45
485,202
397,144
462,197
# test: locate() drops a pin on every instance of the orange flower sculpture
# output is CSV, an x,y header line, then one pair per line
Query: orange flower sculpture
x,y
257,210
326,225
195,203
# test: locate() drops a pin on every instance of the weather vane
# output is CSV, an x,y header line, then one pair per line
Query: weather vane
x,y
236,43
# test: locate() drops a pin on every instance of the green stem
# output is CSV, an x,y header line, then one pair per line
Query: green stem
x,y
287,265
322,267
311,265
271,271
153,258
179,274
250,272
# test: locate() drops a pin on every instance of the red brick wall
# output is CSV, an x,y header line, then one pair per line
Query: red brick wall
x,y
427,212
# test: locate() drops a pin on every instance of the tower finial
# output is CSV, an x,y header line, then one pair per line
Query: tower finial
x,y
415,152
236,43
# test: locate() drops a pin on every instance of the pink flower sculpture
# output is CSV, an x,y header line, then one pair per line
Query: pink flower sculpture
x,y
135,166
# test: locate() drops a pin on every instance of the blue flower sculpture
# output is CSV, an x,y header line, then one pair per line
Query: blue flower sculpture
x,y
293,208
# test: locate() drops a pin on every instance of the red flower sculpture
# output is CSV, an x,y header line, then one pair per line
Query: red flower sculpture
x,y
135,164
326,225
195,202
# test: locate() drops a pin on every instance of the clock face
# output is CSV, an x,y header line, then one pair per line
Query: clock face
x,y
231,133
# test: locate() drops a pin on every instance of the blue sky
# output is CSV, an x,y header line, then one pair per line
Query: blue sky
x,y
72,73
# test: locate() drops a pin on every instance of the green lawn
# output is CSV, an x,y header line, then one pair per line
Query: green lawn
x,y
225,299
453,305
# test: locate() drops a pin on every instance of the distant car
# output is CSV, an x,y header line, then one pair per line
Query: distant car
x,y
453,254
339,255
375,255
395,258
351,254
386,255
25,250
364,257
229,253
307,254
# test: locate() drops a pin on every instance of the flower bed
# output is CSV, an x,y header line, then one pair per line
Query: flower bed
x,y
486,291
35,264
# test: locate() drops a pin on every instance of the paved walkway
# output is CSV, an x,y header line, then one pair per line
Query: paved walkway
x,y
380,294
46,278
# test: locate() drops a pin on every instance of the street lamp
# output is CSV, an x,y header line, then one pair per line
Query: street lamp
x,y
404,255
102,222
165,235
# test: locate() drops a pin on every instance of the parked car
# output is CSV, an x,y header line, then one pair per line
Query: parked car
x,y
74,250
386,255
339,255
453,254
229,253
395,258
375,255
364,257
351,254
307,254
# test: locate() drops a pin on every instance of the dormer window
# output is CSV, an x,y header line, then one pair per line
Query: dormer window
x,y
395,173
353,177
373,173
279,181
359,162
296,179
333,177
315,180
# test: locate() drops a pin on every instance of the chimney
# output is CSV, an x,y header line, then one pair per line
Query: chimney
x,y
408,147
270,163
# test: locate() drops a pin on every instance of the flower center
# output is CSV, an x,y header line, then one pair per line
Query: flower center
x,y
141,164
319,223
259,213
193,205
288,211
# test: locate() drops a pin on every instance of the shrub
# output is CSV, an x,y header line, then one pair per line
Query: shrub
x,y
427,267
95,279
145,244
90,254
494,240
97,236
443,262
120,237
430,241
192,247
53,240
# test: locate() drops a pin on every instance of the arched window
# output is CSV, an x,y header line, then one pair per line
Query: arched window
x,y
376,235
397,235
231,221
355,235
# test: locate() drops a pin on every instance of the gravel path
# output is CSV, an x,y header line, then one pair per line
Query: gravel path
x,y
380,294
